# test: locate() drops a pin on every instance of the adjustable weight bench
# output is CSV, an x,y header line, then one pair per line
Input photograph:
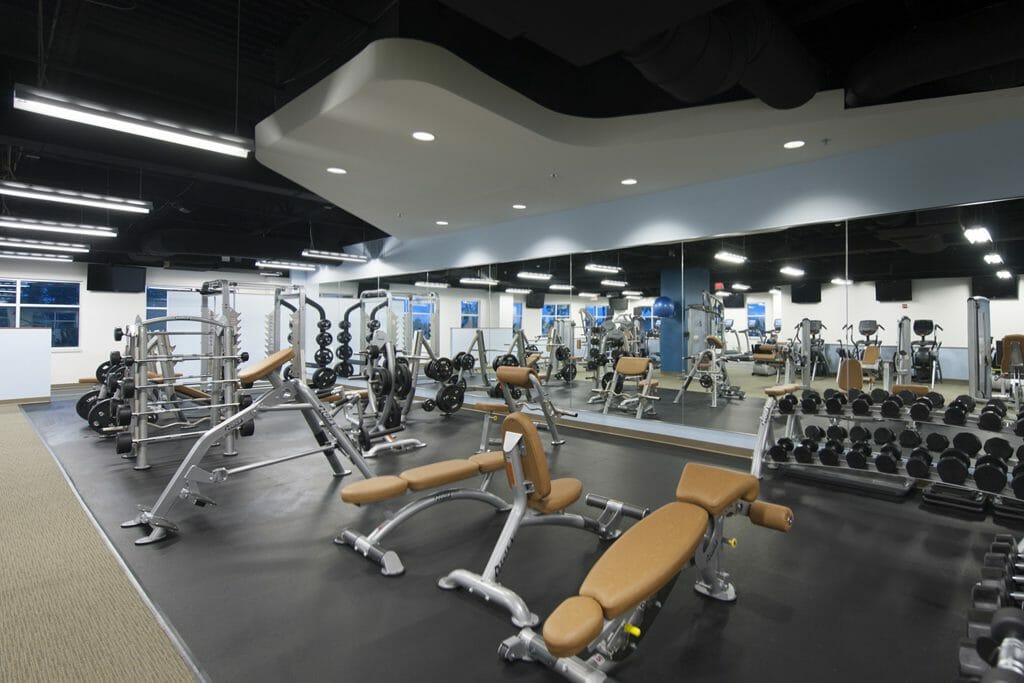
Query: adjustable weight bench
x,y
588,634
636,368
526,378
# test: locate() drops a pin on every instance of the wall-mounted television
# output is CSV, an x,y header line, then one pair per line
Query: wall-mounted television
x,y
805,293
734,300
619,303
535,300
104,278
893,290
992,287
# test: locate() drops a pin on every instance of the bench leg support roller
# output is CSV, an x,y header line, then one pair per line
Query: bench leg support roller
x,y
528,646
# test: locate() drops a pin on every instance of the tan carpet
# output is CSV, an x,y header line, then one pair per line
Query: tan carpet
x,y
68,612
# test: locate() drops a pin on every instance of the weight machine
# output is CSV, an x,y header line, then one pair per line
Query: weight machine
x,y
703,320
711,369
808,351
925,364
979,348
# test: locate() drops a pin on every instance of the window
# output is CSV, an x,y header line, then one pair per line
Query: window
x,y
648,322
470,314
549,313
600,313
421,314
517,316
39,303
156,306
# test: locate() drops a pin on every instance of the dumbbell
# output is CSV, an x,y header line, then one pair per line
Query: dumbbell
x,y
910,438
814,432
919,464
1006,632
907,396
781,450
883,436
1000,448
991,417
835,401
990,473
953,466
787,404
862,404
811,402
836,433
858,455
805,454
888,459
922,407
1018,426
892,406
859,433
936,442
967,442
1017,481
829,455
959,407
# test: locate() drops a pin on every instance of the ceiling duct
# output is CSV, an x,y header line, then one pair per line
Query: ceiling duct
x,y
743,43
962,48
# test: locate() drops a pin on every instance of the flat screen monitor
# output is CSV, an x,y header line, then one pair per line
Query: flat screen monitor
x,y
806,293
535,300
893,290
619,303
992,287
734,300
104,278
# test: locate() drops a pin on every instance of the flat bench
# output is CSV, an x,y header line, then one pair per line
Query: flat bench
x,y
380,488
261,369
781,390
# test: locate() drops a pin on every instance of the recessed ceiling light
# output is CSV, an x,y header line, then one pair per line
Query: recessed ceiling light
x,y
775,290
517,290
1004,274
533,275
336,170
423,136
441,223
794,144
614,283
730,257
791,271
739,287
977,235
519,206
993,258
628,181
841,281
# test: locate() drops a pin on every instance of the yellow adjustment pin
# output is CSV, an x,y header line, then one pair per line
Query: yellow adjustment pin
x,y
631,630
731,542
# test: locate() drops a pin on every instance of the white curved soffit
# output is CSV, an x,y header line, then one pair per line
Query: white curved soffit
x,y
495,148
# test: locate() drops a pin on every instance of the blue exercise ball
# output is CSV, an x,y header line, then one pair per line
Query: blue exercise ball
x,y
663,307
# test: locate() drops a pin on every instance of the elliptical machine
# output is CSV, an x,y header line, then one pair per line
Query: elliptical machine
x,y
925,365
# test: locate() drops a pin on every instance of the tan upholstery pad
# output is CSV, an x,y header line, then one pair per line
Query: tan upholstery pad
x,y
491,407
374,489
438,473
916,389
488,461
189,391
515,376
652,382
630,366
87,380
770,515
533,359
714,488
573,625
564,492
762,356
535,461
157,377
781,389
645,558
714,341
262,368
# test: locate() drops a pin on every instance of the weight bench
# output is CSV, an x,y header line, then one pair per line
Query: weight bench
x,y
588,634
527,379
630,368
766,425
284,395
491,412
536,499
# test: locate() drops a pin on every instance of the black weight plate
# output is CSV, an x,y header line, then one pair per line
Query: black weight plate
x,y
836,432
990,421
937,399
854,394
829,393
967,442
907,396
344,352
967,400
879,395
85,403
323,325
802,455
858,433
780,454
951,468
861,406
468,361
936,442
813,432
884,435
344,337
344,368
101,414
990,477
884,462
891,407
920,411
955,414
995,404
919,464
834,444
999,447
856,459
829,457
833,406
1017,484
810,445
910,439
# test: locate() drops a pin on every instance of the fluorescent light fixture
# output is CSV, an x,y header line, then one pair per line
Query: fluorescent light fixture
x,y
628,181
841,281
1004,275
775,290
794,144
977,235
336,170
791,271
533,275
433,284
614,283
35,256
632,292
423,136
52,226
442,223
290,265
517,290
334,255
271,273
484,281
587,295
993,258
15,243
740,287
50,194
520,207
562,288
601,268
730,257
43,102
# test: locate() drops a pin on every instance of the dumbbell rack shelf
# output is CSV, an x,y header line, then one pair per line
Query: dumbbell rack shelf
x,y
967,496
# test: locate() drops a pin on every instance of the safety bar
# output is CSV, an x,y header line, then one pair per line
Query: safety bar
x,y
596,501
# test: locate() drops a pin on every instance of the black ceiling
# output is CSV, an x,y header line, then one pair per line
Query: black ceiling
x,y
182,60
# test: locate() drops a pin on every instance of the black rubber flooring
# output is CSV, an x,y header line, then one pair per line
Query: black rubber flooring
x,y
860,590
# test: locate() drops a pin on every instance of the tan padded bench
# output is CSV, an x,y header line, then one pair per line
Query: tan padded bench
x,y
490,407
376,489
635,567
781,389
516,376
630,366
263,368
715,489
918,390
767,357
189,391
532,360
652,382
715,341
564,492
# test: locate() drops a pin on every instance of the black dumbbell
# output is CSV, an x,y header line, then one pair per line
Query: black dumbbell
x,y
814,432
968,443
884,435
936,442
859,433
991,417
919,464
999,447
836,433
990,473
829,456
888,459
910,438
922,407
957,410
862,405
892,406
907,396
811,402
835,402
809,444
835,445
787,404
879,395
779,453
953,466
1017,481
1018,426
804,454
858,455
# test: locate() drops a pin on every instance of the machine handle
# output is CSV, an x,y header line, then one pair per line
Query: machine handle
x,y
596,501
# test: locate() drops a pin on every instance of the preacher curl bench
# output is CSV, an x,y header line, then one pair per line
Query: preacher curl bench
x,y
628,585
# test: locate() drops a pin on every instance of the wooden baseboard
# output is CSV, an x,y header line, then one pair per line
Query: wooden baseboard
x,y
19,401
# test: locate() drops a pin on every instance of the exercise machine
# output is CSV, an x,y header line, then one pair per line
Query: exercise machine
x,y
613,391
711,372
925,364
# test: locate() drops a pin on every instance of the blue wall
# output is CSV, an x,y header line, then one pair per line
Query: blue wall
x,y
672,328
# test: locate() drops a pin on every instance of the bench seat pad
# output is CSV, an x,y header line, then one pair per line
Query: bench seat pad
x,y
573,625
191,392
489,461
491,407
374,489
564,492
645,558
781,389
714,488
262,368
438,473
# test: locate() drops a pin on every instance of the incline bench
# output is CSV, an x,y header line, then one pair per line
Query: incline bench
x,y
628,585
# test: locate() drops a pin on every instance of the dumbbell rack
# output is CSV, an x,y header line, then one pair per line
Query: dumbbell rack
x,y
869,479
